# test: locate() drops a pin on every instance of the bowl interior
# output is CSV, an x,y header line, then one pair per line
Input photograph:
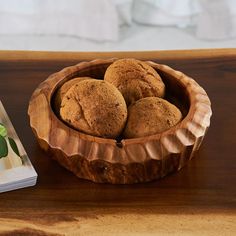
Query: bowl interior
x,y
176,93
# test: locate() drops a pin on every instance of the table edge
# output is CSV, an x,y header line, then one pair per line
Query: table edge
x,y
11,55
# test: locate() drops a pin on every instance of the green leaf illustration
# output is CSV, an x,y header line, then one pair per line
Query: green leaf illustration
x,y
3,147
3,130
14,146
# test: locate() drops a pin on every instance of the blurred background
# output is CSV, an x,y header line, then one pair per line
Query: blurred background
x,y
111,25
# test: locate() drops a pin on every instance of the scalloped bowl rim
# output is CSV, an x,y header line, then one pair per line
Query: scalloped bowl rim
x,y
124,141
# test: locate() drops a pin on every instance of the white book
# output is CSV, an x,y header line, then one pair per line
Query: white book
x,y
16,170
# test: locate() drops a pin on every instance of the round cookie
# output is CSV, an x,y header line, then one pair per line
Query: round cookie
x,y
95,107
149,116
65,87
135,79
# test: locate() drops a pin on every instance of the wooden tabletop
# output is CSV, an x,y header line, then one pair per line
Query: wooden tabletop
x,y
200,199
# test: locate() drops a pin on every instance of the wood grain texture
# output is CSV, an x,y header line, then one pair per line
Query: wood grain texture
x,y
144,55
198,200
129,160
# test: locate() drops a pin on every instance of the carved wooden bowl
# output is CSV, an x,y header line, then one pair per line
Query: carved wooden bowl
x,y
129,160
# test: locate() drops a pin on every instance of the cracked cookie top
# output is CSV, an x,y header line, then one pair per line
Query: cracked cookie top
x,y
94,107
151,115
65,87
135,79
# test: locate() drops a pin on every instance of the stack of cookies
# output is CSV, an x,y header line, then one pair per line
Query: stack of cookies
x,y
128,103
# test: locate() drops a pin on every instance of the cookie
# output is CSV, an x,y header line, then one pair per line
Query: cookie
x,y
95,107
64,88
150,115
135,79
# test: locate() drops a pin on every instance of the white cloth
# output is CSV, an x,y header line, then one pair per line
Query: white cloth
x,y
217,19
214,19
84,18
165,12
101,19
124,9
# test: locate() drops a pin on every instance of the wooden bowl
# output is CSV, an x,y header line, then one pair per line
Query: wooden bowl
x,y
129,160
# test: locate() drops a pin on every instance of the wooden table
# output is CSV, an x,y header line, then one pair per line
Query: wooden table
x,y
200,199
